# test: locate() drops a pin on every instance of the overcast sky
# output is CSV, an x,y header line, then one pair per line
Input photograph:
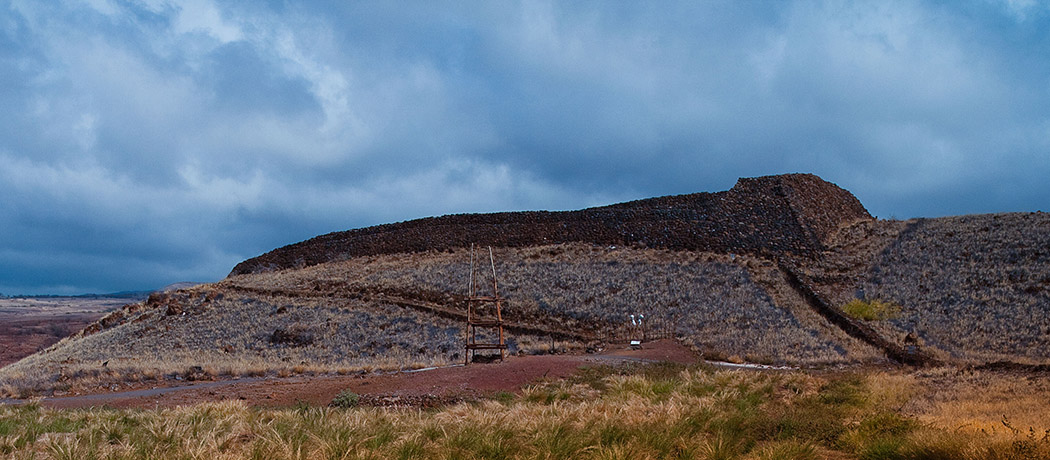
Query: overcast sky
x,y
153,141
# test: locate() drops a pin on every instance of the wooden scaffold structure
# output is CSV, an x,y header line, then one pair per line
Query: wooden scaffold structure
x,y
480,310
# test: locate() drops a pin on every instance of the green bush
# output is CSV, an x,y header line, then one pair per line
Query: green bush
x,y
346,399
871,310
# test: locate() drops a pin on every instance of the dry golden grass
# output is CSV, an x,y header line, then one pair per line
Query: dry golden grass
x,y
998,404
648,412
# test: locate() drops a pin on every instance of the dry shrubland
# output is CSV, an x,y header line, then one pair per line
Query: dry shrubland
x,y
709,301
213,334
970,289
976,287
338,316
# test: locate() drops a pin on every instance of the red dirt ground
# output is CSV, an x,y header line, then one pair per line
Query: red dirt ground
x,y
28,325
421,388
24,335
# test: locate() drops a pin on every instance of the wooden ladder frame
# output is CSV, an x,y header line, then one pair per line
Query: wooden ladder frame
x,y
475,302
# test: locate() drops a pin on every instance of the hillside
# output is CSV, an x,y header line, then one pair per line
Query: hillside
x,y
976,288
757,273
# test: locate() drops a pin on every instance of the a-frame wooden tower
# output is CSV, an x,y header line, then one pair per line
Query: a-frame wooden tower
x,y
484,311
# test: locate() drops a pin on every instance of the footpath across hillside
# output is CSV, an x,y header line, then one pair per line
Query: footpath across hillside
x,y
418,388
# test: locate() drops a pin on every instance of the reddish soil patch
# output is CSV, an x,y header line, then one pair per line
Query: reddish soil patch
x,y
23,335
28,325
421,388
658,350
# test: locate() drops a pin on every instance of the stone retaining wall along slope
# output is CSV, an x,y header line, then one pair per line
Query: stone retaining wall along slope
x,y
784,214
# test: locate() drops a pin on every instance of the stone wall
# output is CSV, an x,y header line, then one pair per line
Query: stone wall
x,y
791,213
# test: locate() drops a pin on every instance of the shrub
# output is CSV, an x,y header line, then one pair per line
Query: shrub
x,y
871,310
295,337
346,399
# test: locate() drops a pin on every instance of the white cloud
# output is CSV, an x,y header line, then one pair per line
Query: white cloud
x,y
328,84
451,187
222,192
202,16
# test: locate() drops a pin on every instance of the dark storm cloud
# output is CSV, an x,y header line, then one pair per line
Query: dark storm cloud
x,y
156,141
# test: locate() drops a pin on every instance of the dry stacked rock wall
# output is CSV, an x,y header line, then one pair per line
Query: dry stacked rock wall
x,y
791,213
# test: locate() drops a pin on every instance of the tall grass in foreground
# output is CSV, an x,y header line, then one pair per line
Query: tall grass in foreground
x,y
659,411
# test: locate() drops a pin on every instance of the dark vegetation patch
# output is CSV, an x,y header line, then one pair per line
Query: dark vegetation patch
x,y
296,337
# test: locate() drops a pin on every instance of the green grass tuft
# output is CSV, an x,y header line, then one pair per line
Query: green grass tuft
x,y
871,310
346,399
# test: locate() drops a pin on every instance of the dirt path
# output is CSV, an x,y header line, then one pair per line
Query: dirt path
x,y
419,388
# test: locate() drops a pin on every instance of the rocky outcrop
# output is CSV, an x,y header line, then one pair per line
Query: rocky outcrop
x,y
792,214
